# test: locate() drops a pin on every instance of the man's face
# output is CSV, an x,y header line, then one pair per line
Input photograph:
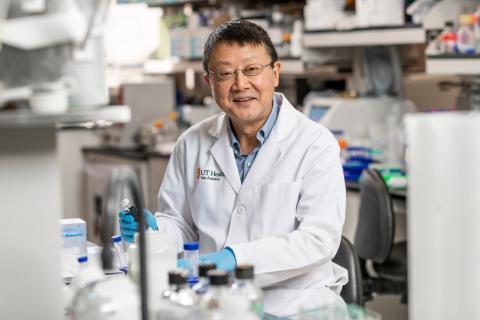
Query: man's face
x,y
246,99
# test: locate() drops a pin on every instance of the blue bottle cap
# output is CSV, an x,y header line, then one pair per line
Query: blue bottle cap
x,y
82,259
190,246
117,238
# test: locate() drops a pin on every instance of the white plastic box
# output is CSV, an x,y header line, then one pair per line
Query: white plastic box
x,y
74,236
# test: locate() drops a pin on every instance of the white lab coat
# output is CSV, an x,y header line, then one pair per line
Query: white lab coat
x,y
286,218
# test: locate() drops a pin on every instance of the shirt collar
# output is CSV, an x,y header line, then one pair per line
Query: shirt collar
x,y
262,134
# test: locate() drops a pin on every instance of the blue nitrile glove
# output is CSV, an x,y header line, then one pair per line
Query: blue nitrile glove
x,y
225,260
128,225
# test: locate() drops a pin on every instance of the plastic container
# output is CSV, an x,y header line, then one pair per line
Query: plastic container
x,y
161,258
74,236
203,283
448,38
466,42
190,255
244,286
120,253
88,272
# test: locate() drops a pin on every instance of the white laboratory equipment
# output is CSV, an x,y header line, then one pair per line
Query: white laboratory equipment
x,y
443,220
161,256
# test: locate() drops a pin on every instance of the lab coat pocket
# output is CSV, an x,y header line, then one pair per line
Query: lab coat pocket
x,y
275,208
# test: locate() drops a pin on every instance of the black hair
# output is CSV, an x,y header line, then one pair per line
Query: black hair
x,y
240,32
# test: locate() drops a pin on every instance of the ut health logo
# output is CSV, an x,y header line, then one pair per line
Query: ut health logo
x,y
208,174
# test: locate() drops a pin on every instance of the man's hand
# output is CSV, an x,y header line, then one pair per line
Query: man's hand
x,y
224,260
128,225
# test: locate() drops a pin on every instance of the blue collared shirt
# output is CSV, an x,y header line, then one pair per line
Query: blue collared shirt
x,y
245,162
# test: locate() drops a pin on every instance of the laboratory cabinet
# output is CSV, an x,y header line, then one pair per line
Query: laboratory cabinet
x,y
98,165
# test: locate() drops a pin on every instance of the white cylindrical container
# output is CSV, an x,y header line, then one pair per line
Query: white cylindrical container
x,y
443,215
161,258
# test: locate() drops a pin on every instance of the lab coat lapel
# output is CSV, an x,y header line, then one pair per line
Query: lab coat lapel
x,y
271,151
223,154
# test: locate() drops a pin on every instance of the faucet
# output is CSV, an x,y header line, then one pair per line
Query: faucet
x,y
124,176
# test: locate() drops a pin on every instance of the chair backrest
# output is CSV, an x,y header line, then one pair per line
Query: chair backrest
x,y
376,221
347,257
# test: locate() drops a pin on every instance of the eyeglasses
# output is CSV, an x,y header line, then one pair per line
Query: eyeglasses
x,y
250,71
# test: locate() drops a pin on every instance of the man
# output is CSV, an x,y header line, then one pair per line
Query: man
x,y
259,183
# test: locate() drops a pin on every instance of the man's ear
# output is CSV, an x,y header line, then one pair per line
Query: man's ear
x,y
206,78
277,66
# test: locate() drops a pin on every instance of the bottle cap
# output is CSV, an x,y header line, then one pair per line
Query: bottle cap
x,y
116,238
218,277
244,271
173,277
205,267
82,259
190,246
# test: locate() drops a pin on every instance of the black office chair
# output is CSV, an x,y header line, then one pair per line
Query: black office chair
x,y
347,257
374,240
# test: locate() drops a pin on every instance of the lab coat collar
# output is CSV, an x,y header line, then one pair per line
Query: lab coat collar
x,y
268,155
284,125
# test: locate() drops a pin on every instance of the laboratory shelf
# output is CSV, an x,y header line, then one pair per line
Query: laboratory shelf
x,y
152,67
29,119
453,64
179,3
365,37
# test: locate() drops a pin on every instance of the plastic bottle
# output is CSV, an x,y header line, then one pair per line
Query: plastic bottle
x,y
245,286
448,38
120,253
202,286
87,273
466,43
190,255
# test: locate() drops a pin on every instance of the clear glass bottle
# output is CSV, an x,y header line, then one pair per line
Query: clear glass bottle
x,y
245,286
202,286
115,297
178,300
173,281
184,296
190,255
217,291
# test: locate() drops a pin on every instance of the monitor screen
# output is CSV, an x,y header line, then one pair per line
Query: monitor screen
x,y
317,112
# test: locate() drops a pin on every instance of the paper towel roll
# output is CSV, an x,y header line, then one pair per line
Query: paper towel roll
x,y
444,216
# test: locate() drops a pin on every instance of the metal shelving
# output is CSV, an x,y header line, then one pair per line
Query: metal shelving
x,y
365,37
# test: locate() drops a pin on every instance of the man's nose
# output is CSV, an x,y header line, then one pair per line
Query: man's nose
x,y
241,80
